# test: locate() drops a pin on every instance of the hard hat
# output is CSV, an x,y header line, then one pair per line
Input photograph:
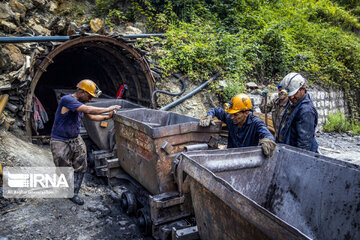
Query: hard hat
x,y
283,92
239,102
292,83
90,87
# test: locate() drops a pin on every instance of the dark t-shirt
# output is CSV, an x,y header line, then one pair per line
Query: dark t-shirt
x,y
67,126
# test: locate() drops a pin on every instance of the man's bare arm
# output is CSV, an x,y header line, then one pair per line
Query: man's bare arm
x,y
96,110
100,117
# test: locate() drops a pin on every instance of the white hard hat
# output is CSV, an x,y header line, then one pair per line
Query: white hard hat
x,y
292,83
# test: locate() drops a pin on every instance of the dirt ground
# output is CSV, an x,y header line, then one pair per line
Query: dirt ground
x,y
339,145
101,216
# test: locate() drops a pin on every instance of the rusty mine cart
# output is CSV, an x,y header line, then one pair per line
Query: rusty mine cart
x,y
100,140
180,186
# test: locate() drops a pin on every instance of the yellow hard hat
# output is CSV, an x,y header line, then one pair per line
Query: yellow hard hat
x,y
90,87
240,102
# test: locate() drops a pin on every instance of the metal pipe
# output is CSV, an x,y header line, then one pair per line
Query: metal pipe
x,y
143,35
65,38
232,164
169,93
196,90
202,146
34,39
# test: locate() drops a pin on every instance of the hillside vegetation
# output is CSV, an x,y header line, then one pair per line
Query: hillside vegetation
x,y
254,40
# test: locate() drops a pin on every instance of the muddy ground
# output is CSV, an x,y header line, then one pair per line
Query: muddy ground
x,y
101,216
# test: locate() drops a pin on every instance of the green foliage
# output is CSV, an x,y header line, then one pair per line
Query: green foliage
x,y
115,17
348,4
155,14
233,87
103,7
323,11
75,10
254,40
263,40
339,123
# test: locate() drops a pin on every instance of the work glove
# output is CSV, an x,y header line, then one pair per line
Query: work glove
x,y
265,92
206,121
268,146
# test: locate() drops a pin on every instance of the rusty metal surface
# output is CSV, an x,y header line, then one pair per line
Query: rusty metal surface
x,y
100,135
169,206
140,138
293,195
101,42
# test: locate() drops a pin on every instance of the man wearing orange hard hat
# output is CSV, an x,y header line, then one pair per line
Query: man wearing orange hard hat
x,y
67,147
245,129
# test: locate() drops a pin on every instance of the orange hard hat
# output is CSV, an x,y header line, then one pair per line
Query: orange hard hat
x,y
89,87
240,102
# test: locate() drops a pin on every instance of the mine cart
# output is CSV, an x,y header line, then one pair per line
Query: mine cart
x,y
99,132
296,194
147,142
102,134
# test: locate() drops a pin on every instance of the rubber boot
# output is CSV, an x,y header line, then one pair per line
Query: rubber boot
x,y
78,178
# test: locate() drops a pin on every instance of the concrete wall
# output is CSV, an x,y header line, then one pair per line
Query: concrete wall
x,y
325,102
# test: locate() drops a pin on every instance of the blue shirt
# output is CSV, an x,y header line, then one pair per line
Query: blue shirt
x,y
298,124
67,126
249,134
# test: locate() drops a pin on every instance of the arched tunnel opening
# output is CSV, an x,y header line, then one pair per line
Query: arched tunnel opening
x,y
107,61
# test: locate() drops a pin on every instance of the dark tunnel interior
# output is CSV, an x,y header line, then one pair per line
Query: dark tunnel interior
x,y
108,66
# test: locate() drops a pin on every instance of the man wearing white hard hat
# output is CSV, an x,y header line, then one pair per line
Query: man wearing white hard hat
x,y
299,120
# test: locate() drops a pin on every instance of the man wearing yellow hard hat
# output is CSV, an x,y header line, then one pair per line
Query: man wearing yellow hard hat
x,y
67,147
245,129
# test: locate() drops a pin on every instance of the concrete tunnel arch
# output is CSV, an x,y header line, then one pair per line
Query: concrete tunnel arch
x,y
109,62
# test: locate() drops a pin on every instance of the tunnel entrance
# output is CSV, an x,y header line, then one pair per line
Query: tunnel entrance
x,y
107,61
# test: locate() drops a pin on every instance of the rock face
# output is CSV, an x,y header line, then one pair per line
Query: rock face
x,y
8,26
196,106
19,9
132,30
36,25
96,25
11,57
5,12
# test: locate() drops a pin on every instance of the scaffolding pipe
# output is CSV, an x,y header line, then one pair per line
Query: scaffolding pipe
x,y
65,38
34,39
190,94
143,35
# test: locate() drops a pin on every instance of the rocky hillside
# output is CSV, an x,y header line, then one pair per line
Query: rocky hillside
x,y
253,41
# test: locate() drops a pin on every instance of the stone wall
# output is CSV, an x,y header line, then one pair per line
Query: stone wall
x,y
328,101
325,102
